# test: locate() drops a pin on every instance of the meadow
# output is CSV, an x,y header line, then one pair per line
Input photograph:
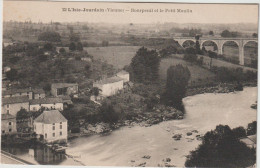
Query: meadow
x,y
118,56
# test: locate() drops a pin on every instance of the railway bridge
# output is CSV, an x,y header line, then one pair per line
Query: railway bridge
x,y
219,41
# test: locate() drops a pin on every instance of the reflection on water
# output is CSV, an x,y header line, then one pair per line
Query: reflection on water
x,y
40,153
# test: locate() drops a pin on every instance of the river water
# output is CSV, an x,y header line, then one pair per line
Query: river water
x,y
127,145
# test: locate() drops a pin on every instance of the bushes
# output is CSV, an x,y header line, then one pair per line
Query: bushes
x,y
221,148
224,74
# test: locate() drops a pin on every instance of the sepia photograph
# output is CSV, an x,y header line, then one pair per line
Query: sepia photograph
x,y
129,84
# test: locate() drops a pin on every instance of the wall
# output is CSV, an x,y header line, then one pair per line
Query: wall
x,y
39,95
14,108
42,129
29,95
36,107
5,126
125,77
110,88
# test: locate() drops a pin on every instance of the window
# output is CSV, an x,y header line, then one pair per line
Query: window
x,y
7,111
61,126
10,95
45,135
20,94
53,134
60,133
7,105
53,127
10,123
3,131
10,130
34,108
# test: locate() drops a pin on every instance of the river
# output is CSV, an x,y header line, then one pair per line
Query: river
x,y
127,145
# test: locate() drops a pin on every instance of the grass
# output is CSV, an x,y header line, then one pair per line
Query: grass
x,y
118,56
198,75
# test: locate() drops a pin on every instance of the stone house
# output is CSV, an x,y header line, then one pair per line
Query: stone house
x,y
8,124
51,126
124,75
11,105
49,103
109,86
62,89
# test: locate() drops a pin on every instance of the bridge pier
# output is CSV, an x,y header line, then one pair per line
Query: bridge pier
x,y
220,42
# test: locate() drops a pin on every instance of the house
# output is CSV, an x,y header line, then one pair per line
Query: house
x,y
8,124
250,141
124,75
11,105
51,126
38,94
29,92
6,69
18,93
109,86
62,89
7,42
49,103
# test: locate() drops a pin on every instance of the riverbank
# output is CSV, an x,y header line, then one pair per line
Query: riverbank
x,y
174,139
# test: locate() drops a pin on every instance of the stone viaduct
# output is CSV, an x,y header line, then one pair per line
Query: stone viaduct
x,y
241,42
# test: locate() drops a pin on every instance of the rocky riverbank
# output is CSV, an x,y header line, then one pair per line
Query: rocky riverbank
x,y
219,88
159,114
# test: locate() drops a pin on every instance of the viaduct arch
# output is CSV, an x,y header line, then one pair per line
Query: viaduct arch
x,y
241,42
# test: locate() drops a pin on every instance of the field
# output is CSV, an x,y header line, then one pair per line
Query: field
x,y
118,56
198,74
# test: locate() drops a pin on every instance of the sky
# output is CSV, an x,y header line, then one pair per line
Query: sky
x,y
198,13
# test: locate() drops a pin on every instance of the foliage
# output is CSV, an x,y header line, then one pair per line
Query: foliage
x,y
225,74
49,36
145,65
255,35
79,46
49,47
252,128
239,132
221,148
22,114
95,91
176,85
211,33
200,61
12,74
62,50
74,37
108,113
190,55
227,33
72,46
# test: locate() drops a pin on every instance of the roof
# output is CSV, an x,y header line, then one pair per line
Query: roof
x,y
46,100
123,72
65,97
38,91
109,80
63,85
249,139
14,100
6,40
7,116
14,91
49,117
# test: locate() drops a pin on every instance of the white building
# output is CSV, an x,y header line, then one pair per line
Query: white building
x,y
124,75
49,103
109,86
51,126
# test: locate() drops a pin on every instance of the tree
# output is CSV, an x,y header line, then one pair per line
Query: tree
x,y
62,50
239,132
22,114
74,37
79,46
145,65
108,113
176,85
221,148
49,36
95,91
48,47
72,46
255,35
252,128
211,55
211,33
190,55
12,74
227,33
